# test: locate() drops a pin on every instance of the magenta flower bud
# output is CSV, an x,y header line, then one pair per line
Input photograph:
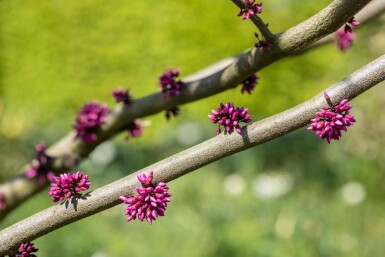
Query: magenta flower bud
x,y
40,167
142,179
26,250
344,40
3,205
326,96
122,95
331,120
353,22
348,29
134,129
68,185
170,86
151,201
249,84
88,121
251,9
229,117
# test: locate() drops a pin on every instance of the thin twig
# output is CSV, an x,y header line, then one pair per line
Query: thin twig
x,y
258,22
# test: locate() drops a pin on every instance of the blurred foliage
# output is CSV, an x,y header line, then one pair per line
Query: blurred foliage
x,y
55,55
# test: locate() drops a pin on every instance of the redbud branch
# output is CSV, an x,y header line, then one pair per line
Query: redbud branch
x,y
68,152
258,22
370,12
192,159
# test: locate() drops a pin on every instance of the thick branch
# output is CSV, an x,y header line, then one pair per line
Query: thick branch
x,y
67,152
192,158
371,11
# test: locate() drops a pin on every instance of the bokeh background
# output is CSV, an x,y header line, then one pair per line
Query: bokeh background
x,y
294,196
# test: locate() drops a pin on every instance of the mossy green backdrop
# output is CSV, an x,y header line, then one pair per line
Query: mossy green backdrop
x,y
55,55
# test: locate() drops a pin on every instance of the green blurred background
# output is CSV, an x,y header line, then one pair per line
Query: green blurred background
x,y
294,196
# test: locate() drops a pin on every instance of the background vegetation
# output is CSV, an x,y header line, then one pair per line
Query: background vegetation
x,y
294,196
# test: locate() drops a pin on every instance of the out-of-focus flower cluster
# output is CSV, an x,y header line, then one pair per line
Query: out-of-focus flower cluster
x,y
249,84
344,40
3,205
229,117
89,119
122,95
40,166
345,36
26,250
134,129
170,85
331,120
151,201
250,9
68,184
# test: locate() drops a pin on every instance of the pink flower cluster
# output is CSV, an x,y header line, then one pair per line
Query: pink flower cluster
x,y
346,36
249,84
68,184
229,117
331,120
3,205
151,201
40,165
170,86
26,250
89,119
134,129
344,40
122,95
251,9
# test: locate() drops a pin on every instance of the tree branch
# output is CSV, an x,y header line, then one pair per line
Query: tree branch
x,y
68,152
370,12
191,159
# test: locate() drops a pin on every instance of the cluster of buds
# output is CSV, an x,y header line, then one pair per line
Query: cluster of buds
x,y
170,86
26,250
134,129
262,44
331,120
40,166
89,119
229,117
3,205
344,40
67,185
151,201
122,95
346,36
249,84
250,9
